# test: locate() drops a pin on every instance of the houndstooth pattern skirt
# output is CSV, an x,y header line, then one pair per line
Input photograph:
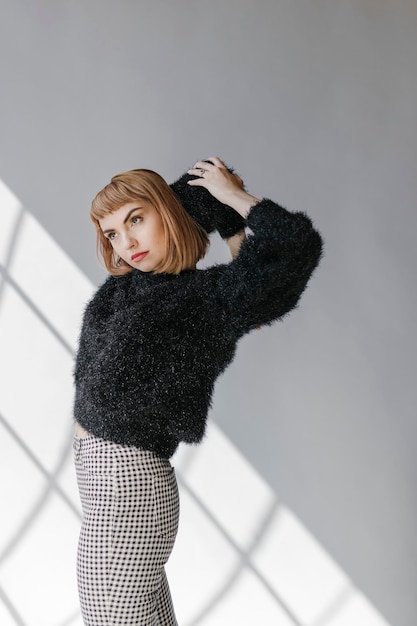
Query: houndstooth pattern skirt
x,y
130,519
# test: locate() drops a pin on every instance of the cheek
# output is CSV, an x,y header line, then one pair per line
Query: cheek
x,y
113,249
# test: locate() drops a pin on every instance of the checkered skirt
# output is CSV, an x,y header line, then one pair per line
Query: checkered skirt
x,y
130,519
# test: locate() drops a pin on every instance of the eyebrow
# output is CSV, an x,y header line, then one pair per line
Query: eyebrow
x,y
136,208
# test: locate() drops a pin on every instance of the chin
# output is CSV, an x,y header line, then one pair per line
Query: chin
x,y
141,267
145,268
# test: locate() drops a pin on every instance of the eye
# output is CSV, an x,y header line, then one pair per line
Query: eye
x,y
136,219
111,236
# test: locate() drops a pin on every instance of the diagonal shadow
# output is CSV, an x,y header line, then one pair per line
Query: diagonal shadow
x,y
337,605
51,486
245,561
8,279
12,245
11,608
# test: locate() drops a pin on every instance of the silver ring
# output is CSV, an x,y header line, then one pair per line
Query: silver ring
x,y
202,170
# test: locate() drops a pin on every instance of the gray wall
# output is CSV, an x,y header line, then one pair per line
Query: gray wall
x,y
314,103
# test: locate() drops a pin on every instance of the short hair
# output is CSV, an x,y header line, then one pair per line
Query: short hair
x,y
186,241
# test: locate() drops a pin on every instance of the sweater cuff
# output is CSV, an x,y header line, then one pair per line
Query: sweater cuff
x,y
228,221
206,210
272,221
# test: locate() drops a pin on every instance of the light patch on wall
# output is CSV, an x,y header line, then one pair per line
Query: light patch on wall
x,y
10,211
270,568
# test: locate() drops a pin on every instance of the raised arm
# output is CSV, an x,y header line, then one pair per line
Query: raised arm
x,y
274,263
234,243
272,269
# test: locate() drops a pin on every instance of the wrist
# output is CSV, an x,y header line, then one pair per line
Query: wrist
x,y
242,202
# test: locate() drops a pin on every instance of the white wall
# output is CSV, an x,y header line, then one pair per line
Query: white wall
x,y
314,104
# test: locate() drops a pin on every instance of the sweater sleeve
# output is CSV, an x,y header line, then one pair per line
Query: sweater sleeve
x,y
272,269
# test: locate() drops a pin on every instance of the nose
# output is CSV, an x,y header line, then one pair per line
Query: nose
x,y
128,241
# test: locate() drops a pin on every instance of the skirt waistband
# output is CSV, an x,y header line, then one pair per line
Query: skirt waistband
x,y
106,457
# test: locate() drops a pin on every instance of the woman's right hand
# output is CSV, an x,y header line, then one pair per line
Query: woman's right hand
x,y
222,184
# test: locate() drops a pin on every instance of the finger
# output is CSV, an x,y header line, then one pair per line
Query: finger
x,y
202,170
216,161
203,165
197,182
197,172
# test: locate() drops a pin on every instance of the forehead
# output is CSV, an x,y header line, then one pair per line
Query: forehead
x,y
117,217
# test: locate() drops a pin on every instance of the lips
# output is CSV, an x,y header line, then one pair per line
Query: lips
x,y
138,256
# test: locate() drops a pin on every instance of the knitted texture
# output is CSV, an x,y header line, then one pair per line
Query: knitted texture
x,y
208,212
153,345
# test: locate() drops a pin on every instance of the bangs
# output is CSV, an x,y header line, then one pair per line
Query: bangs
x,y
112,197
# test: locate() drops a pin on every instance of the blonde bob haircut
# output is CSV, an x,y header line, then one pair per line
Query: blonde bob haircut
x,y
186,242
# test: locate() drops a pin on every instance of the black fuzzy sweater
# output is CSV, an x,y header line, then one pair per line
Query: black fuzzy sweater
x,y
153,345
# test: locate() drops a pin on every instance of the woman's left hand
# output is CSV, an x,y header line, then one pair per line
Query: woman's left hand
x,y
223,184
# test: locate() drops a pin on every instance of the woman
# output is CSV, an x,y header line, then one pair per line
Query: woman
x,y
155,337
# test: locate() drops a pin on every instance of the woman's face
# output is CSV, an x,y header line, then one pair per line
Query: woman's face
x,y
136,233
